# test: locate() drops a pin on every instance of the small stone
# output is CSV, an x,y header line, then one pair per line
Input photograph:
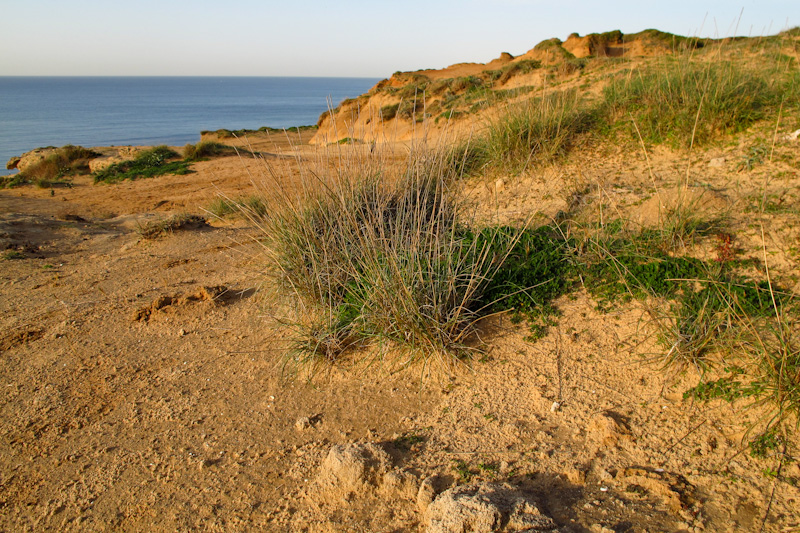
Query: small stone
x,y
427,492
182,332
555,407
717,162
303,423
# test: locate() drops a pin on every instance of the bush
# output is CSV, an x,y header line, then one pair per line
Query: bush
x,y
388,112
252,207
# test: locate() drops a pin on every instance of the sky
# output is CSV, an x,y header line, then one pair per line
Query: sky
x,y
358,38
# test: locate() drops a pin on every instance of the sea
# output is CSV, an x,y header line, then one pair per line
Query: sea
x,y
115,111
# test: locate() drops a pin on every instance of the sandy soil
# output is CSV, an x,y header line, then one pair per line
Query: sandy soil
x,y
145,386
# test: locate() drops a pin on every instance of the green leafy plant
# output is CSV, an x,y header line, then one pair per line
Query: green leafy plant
x,y
149,163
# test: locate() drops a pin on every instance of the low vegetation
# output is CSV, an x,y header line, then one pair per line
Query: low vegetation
x,y
157,161
374,263
55,168
250,207
228,134
206,150
180,221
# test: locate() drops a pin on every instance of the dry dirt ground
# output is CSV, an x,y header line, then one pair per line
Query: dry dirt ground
x,y
144,384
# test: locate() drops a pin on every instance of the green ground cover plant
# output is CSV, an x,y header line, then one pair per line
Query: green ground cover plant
x,y
157,161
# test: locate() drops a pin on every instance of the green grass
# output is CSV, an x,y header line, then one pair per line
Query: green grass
x,y
12,254
206,150
157,161
538,130
251,207
228,134
377,263
683,103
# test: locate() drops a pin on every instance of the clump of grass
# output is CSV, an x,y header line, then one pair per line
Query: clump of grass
x,y
538,130
56,168
775,341
376,261
515,69
181,221
157,161
252,206
688,102
206,150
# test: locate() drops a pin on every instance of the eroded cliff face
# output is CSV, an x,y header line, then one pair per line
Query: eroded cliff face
x,y
411,105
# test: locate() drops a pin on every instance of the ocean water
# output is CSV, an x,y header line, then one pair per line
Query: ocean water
x,y
105,111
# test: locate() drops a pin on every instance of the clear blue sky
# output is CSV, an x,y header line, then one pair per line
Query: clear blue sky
x,y
370,38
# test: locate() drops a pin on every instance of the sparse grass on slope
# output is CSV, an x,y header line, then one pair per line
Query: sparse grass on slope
x,y
535,131
684,103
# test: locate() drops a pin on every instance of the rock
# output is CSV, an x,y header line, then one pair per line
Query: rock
x,y
717,162
399,483
485,507
351,467
605,431
13,162
430,487
575,476
792,136
303,423
34,156
673,489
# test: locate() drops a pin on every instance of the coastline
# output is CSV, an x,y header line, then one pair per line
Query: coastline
x,y
149,111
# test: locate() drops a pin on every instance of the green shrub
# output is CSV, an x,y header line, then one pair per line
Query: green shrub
x,y
149,163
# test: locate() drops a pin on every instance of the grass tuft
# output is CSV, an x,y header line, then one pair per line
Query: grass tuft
x,y
206,150
378,261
